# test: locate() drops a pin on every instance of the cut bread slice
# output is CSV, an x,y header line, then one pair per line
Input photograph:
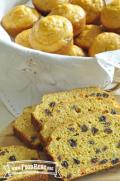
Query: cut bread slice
x,y
50,101
24,129
88,145
15,153
73,110
75,94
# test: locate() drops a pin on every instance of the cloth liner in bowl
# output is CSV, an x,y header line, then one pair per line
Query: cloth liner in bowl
x,y
27,74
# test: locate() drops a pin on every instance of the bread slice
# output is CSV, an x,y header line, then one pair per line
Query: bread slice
x,y
73,110
89,145
18,153
24,129
50,101
29,177
15,153
76,93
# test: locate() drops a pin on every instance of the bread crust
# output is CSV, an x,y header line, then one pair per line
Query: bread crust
x,y
23,138
36,123
32,177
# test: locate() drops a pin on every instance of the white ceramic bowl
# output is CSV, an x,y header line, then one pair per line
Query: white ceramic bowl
x,y
34,72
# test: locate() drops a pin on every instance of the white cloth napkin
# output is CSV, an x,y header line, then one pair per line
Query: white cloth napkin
x,y
26,74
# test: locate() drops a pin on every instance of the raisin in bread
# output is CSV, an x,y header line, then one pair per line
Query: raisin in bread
x,y
87,146
73,110
15,153
24,129
49,101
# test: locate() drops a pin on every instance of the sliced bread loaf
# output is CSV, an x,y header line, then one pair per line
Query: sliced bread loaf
x,y
75,94
50,101
64,112
89,145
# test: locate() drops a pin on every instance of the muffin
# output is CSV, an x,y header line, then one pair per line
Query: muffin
x,y
19,18
87,36
110,16
51,34
105,42
73,50
117,2
92,7
23,38
45,6
74,13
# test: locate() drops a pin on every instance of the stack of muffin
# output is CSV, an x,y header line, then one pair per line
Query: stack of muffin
x,y
79,129
67,27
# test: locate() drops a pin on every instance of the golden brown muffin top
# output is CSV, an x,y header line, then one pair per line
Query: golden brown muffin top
x,y
51,33
86,37
23,38
72,12
105,42
20,15
73,50
110,15
48,5
92,8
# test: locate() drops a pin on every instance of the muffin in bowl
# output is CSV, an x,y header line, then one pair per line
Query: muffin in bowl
x,y
110,16
87,36
23,38
75,14
45,6
92,7
51,34
72,50
19,18
106,41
